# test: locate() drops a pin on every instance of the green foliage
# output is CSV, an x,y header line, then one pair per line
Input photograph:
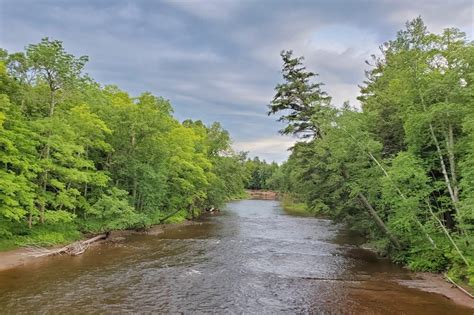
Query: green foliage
x,y
178,217
422,258
49,235
111,212
44,235
76,156
260,174
292,206
300,99
400,170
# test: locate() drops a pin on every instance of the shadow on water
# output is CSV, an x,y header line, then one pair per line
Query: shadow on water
x,y
253,258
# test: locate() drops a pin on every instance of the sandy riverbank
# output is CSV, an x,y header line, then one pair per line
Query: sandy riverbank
x,y
435,283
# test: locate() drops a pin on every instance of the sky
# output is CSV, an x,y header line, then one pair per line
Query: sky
x,y
218,60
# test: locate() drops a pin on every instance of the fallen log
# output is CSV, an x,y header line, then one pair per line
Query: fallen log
x,y
74,249
169,216
94,239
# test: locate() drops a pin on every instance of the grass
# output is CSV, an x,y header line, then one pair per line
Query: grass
x,y
292,206
7,244
47,235
242,196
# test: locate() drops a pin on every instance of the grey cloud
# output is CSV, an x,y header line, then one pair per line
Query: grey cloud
x,y
219,59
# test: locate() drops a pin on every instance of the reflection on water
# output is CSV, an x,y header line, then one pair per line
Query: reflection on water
x,y
251,259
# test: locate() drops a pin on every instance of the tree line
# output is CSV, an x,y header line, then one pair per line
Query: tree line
x,y
78,157
400,168
261,174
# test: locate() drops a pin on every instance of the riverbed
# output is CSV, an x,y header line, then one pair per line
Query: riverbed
x,y
251,258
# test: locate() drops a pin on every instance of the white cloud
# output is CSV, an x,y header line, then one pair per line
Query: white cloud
x,y
276,147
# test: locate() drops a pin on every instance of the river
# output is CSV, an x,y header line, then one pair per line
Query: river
x,y
252,258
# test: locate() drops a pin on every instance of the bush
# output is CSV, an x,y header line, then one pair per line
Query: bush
x,y
48,235
427,259
178,217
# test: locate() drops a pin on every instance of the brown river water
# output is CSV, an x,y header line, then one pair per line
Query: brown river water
x,y
252,258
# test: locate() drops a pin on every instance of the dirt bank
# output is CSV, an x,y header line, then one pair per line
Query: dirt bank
x,y
21,256
263,194
435,283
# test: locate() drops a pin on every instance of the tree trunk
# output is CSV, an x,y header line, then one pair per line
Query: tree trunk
x,y
191,211
169,216
135,190
42,204
447,234
379,221
52,103
390,179
452,162
443,169
86,153
42,208
45,182
30,220
74,249
135,182
440,156
375,215
141,202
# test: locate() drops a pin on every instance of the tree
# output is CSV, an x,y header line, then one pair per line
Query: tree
x,y
50,64
301,101
405,158
77,156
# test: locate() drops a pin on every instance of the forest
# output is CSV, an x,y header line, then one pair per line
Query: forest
x,y
77,157
399,169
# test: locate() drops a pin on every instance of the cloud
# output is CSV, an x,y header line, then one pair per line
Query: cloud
x,y
209,9
219,59
274,148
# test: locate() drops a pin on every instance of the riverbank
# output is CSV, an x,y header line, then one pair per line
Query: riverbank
x,y
293,207
424,281
436,283
21,256
262,194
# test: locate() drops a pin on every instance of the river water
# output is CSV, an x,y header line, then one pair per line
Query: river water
x,y
252,258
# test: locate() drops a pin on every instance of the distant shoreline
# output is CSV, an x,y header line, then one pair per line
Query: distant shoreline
x,y
263,194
